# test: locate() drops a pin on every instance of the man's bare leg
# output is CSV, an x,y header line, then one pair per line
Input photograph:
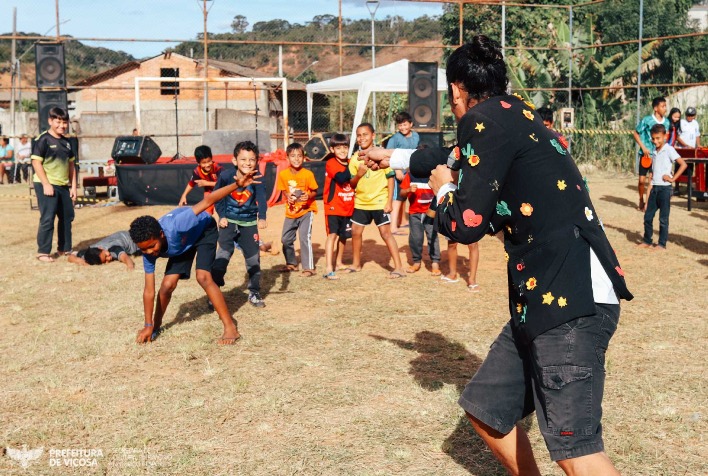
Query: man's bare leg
x,y
513,450
590,465
231,334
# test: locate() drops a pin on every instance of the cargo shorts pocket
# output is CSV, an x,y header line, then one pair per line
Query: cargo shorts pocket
x,y
567,393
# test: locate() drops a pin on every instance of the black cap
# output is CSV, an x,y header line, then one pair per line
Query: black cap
x,y
691,111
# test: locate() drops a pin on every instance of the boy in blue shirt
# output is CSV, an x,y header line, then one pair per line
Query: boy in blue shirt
x,y
181,235
642,136
405,138
242,213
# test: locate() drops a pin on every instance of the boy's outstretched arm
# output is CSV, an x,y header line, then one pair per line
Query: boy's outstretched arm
x,y
145,335
76,260
217,195
183,198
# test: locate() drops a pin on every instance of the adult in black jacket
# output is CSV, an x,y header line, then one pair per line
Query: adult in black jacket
x,y
511,175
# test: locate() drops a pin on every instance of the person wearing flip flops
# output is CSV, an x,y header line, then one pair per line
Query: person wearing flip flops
x,y
182,235
300,189
452,276
373,201
55,185
642,136
338,205
420,196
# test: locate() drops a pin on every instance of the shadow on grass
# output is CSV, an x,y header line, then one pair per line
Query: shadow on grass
x,y
439,362
620,201
376,251
687,242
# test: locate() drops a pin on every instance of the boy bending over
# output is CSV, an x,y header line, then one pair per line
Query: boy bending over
x,y
182,235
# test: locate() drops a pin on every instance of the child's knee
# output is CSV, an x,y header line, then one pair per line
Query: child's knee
x,y
169,284
204,277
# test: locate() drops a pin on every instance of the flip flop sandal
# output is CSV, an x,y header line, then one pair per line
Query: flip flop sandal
x,y
348,270
413,269
473,288
308,273
396,275
436,273
447,280
45,258
288,268
331,276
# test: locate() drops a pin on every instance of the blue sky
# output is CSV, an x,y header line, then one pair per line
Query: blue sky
x,y
178,19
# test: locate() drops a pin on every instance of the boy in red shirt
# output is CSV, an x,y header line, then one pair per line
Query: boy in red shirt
x,y
420,196
300,188
339,204
204,175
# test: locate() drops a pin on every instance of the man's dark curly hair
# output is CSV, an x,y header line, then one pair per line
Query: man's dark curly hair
x,y
93,256
144,228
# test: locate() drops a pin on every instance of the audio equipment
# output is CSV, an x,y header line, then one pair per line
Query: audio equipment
x,y
45,101
135,150
431,139
316,148
423,94
50,68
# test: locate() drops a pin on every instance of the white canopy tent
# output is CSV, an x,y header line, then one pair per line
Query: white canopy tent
x,y
391,78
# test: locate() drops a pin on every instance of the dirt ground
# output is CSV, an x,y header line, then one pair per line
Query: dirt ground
x,y
358,376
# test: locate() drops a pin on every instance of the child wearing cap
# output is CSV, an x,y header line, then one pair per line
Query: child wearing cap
x,y
690,132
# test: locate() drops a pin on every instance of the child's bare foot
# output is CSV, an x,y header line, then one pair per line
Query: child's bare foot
x,y
414,268
396,274
659,248
229,337
288,268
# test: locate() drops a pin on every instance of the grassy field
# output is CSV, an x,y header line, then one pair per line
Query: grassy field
x,y
358,376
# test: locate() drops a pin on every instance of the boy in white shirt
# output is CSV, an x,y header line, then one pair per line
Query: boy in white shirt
x,y
690,132
659,192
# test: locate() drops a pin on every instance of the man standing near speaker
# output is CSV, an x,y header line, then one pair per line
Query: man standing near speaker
x,y
55,185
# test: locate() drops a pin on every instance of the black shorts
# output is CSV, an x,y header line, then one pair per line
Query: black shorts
x,y
339,225
643,171
560,375
364,217
204,249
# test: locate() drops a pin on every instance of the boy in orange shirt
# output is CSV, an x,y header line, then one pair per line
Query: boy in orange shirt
x,y
300,188
204,175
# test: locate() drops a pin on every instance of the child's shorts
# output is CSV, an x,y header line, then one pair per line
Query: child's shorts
x,y
339,225
204,250
364,217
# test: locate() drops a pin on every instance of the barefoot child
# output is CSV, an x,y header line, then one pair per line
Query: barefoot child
x,y
182,235
204,174
300,188
242,213
338,203
117,246
420,196
372,202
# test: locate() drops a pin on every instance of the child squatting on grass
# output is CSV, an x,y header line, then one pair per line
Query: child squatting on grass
x,y
180,235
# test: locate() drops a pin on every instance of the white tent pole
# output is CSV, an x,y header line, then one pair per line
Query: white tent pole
x,y
309,115
361,99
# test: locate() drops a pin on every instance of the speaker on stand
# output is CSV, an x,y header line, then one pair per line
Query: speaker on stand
x,y
47,100
423,94
50,68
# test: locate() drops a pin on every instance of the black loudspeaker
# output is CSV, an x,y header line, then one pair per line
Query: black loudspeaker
x,y
49,61
74,142
431,139
135,150
316,148
423,94
47,100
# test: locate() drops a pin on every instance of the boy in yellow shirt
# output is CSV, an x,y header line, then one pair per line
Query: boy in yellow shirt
x,y
300,188
373,201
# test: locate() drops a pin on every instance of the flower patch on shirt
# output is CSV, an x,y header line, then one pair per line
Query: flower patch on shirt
x,y
548,298
471,219
562,302
505,104
561,185
588,214
526,209
531,283
480,126
528,114
455,153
